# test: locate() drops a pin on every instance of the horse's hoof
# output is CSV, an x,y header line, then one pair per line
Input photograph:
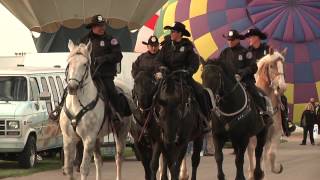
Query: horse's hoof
x,y
258,175
280,170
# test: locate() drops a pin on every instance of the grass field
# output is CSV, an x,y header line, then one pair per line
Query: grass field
x,y
11,168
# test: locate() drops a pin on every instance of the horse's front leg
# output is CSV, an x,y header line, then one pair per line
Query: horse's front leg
x,y
69,148
240,147
251,155
97,159
272,149
197,146
218,154
88,148
261,141
163,167
154,165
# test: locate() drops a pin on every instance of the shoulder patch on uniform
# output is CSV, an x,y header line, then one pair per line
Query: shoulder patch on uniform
x,y
182,49
249,55
114,42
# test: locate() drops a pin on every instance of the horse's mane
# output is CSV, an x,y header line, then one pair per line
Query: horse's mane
x,y
264,62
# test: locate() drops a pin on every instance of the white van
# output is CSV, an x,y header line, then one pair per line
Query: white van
x,y
27,95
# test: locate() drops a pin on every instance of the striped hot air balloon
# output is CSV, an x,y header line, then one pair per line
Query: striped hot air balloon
x,y
294,24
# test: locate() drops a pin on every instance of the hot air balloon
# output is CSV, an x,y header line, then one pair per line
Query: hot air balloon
x,y
59,20
294,24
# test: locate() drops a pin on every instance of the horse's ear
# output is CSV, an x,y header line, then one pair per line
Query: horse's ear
x,y
70,45
202,61
89,47
284,52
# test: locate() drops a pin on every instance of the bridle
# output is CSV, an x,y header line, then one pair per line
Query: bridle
x,y
84,76
75,119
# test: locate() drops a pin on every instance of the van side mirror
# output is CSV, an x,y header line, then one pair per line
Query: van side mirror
x,y
45,96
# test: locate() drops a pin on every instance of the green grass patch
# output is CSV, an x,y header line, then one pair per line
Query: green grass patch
x,y
12,169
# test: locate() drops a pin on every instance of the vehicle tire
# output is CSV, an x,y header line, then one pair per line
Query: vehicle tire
x,y
28,157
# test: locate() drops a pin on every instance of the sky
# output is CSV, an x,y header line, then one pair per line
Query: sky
x,y
14,36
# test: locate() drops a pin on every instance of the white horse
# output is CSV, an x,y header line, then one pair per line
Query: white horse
x,y
270,78
83,116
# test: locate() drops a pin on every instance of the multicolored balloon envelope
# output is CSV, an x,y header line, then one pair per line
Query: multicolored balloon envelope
x,y
294,24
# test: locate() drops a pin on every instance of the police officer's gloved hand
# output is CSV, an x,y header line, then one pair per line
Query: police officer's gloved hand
x,y
238,77
158,76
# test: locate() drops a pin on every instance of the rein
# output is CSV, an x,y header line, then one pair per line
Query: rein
x,y
213,97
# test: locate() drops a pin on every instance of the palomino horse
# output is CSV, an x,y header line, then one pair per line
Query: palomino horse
x,y
83,116
270,78
237,117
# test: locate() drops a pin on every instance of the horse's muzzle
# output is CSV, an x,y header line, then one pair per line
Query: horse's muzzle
x,y
73,87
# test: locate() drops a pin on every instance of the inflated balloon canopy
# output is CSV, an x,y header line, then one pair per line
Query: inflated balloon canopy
x,y
294,24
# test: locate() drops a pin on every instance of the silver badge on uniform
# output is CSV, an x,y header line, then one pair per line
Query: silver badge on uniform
x,y
102,43
249,55
182,49
240,58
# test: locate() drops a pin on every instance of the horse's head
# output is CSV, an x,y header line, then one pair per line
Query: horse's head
x,y
78,69
144,88
212,77
271,71
172,100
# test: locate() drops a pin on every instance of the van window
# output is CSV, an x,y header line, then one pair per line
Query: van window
x,y
60,85
45,88
54,91
13,88
34,89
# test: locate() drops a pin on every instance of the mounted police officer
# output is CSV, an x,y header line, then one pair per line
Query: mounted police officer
x,y
260,49
243,65
147,61
179,53
105,55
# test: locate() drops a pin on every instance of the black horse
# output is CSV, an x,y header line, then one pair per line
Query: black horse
x,y
179,118
236,118
145,131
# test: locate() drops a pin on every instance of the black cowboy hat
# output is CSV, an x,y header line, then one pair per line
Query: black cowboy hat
x,y
256,32
178,26
153,41
96,20
233,34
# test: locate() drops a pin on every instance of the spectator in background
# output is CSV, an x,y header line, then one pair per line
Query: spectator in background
x,y
308,120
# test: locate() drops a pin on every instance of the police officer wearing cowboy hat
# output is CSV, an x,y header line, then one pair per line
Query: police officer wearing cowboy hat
x,y
147,61
241,64
178,53
258,48
105,55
